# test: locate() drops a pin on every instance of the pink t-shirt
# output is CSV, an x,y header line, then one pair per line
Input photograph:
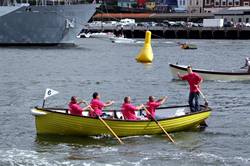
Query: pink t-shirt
x,y
97,106
193,79
128,111
151,106
75,109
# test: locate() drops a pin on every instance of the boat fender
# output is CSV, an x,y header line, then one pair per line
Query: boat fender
x,y
35,112
146,53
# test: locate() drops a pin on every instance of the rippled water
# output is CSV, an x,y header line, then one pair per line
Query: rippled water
x,y
99,65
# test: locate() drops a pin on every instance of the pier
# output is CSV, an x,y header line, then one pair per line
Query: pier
x,y
177,32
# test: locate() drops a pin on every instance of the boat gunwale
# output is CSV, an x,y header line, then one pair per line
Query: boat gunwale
x,y
206,109
210,71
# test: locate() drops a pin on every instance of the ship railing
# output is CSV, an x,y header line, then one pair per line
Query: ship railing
x,y
40,2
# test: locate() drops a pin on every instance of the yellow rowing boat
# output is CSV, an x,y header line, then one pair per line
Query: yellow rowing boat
x,y
59,121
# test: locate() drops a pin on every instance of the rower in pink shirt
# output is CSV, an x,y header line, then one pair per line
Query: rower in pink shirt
x,y
152,105
128,110
97,106
75,108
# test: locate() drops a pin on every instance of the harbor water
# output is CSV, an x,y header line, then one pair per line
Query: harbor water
x,y
111,69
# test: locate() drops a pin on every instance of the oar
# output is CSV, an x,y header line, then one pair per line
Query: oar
x,y
202,95
204,124
100,118
159,124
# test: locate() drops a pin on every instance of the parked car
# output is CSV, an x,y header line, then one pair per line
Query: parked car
x,y
152,24
162,24
247,24
228,24
140,24
143,24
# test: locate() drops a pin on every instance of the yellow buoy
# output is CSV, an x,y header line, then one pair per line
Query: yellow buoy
x,y
146,53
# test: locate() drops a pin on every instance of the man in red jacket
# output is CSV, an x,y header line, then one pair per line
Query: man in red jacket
x,y
194,81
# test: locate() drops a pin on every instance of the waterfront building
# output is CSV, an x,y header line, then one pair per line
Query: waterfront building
x,y
213,6
195,6
127,3
245,3
150,4
181,6
165,5
141,3
108,2
235,15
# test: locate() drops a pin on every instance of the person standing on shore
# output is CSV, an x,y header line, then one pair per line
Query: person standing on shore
x,y
194,81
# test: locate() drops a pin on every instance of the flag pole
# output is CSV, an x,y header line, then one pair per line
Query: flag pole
x,y
43,103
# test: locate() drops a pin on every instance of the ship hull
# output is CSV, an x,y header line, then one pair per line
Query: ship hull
x,y
43,25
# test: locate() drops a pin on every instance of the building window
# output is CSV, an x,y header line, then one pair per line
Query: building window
x,y
230,3
217,3
236,3
224,3
232,19
183,2
246,3
197,2
247,20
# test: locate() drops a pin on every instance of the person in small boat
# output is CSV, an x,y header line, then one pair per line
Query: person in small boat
x,y
194,80
128,109
152,105
247,64
75,108
97,106
184,45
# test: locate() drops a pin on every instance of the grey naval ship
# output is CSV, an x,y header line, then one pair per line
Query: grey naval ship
x,y
45,22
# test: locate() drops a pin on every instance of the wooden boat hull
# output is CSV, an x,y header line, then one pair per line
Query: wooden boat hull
x,y
210,75
188,47
51,122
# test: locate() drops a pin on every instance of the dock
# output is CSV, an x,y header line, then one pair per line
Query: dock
x,y
177,32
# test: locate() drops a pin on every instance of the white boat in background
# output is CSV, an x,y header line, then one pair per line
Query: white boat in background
x,y
122,39
211,74
96,35
102,35
83,35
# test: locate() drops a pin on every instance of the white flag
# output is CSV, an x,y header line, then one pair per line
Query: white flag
x,y
49,92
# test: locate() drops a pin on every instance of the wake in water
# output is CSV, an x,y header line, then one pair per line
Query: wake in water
x,y
137,136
